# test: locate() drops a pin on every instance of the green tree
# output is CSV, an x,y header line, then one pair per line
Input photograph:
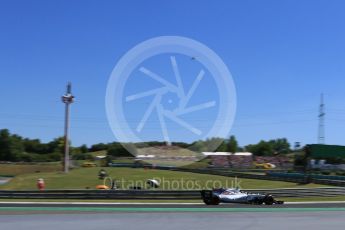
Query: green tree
x,y
198,146
222,147
263,148
215,143
232,144
57,145
11,146
35,146
98,147
280,146
270,148
117,150
83,149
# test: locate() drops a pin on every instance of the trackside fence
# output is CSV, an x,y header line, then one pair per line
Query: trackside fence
x,y
159,194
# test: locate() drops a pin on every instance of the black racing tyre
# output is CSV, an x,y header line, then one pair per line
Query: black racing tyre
x,y
269,200
215,201
211,201
209,198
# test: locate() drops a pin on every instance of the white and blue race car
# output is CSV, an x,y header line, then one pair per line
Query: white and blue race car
x,y
216,196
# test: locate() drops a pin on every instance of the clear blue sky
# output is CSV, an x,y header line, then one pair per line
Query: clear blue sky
x,y
282,55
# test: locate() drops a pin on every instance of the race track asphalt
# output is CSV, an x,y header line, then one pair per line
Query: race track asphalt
x,y
319,220
105,216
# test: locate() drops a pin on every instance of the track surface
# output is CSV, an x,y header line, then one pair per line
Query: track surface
x,y
106,216
177,221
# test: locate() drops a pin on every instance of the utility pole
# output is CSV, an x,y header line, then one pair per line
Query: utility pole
x,y
322,114
68,99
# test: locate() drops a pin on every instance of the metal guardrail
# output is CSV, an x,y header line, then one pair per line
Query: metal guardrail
x,y
159,194
104,194
302,180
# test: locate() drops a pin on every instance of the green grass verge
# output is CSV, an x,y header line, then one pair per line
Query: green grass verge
x,y
19,169
87,178
305,199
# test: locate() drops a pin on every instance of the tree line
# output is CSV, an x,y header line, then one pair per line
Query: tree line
x,y
16,148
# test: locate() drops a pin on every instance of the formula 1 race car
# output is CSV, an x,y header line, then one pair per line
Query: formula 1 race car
x,y
216,196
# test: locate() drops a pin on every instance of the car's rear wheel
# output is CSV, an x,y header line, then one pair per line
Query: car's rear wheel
x,y
212,201
209,198
268,200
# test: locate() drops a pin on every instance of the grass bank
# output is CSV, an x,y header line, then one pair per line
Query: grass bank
x,y
84,178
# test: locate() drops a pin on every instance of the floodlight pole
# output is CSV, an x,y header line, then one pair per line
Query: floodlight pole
x,y
321,132
68,99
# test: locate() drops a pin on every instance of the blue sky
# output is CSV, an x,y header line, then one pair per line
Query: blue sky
x,y
282,56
